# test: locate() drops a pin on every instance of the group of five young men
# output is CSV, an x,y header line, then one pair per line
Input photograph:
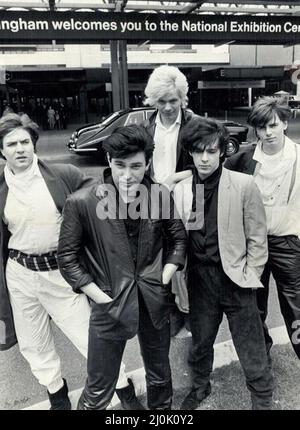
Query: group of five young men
x,y
98,256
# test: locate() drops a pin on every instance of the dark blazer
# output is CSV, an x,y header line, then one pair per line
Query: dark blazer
x,y
242,161
183,157
61,180
97,250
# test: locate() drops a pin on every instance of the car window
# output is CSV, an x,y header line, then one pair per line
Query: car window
x,y
149,113
134,118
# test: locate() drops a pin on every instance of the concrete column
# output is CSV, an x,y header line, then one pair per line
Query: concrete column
x,y
115,78
249,97
123,74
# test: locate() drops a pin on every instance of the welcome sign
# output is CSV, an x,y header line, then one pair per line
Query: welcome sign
x,y
99,27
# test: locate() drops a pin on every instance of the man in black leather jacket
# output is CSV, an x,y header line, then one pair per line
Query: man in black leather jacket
x,y
110,248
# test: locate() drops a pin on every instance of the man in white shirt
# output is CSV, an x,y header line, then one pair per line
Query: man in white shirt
x,y
32,197
167,90
274,163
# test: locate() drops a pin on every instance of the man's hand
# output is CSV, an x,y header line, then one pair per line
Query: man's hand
x,y
168,271
172,180
94,293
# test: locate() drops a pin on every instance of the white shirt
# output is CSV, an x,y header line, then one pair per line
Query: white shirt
x,y
165,150
273,179
30,212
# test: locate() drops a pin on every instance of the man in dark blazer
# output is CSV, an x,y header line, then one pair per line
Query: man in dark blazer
x,y
166,90
110,248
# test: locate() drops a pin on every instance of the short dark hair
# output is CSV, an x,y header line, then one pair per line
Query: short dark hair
x,y
128,140
12,121
201,132
265,108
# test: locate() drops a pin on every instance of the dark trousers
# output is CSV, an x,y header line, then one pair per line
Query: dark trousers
x,y
284,264
212,293
104,360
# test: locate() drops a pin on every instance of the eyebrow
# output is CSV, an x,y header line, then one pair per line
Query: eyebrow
x,y
12,142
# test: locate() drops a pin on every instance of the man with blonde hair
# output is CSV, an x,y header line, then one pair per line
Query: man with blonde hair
x,y
167,90
32,197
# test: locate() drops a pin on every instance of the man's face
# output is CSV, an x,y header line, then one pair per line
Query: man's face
x,y
168,106
18,150
128,173
207,159
272,134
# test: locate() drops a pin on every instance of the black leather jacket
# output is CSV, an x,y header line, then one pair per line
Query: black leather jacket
x,y
97,250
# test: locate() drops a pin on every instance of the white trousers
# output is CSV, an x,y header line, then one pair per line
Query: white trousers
x,y
35,296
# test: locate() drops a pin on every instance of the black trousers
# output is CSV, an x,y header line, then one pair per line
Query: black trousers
x,y
104,360
211,294
284,264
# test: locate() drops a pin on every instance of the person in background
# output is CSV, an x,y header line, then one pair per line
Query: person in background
x,y
166,90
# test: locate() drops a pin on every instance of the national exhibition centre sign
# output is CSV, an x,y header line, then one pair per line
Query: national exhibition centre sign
x,y
99,27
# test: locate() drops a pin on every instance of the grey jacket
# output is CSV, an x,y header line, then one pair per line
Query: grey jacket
x,y
242,231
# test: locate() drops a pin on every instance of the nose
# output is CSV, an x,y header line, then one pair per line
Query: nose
x,y
127,173
19,147
204,157
268,131
168,107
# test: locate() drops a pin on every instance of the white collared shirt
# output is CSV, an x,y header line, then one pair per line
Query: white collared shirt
x,y
273,178
165,150
30,212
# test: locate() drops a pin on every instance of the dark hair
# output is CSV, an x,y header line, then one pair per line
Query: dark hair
x,y
128,140
200,133
264,110
12,121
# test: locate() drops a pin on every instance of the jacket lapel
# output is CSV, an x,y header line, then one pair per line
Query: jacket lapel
x,y
55,185
223,202
3,194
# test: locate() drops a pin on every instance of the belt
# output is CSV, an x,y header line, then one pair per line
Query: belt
x,y
38,263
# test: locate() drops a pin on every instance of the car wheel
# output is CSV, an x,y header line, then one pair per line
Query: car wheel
x,y
232,147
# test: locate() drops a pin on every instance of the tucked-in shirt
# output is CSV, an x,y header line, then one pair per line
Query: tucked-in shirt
x,y
30,212
203,243
165,150
273,178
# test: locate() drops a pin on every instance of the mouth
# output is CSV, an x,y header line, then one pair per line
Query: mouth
x,y
126,184
21,158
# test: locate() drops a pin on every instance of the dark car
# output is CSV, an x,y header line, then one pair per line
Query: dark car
x,y
88,138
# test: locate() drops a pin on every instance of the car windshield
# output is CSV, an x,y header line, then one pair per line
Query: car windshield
x,y
109,118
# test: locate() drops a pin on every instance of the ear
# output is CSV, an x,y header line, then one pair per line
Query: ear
x,y
108,159
285,125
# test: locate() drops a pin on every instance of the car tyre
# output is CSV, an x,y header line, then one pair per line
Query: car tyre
x,y
232,147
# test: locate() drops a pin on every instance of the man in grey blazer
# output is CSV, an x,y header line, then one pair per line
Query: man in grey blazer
x,y
226,256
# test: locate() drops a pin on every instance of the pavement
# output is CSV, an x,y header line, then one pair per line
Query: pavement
x,y
229,391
